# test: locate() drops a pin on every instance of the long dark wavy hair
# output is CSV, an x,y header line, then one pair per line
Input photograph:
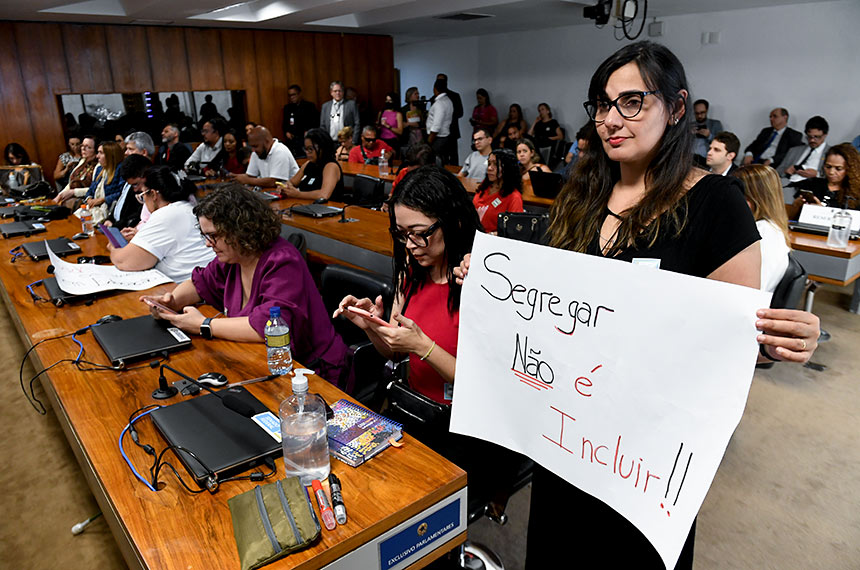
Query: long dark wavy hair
x,y
171,187
580,208
247,222
507,171
437,194
323,145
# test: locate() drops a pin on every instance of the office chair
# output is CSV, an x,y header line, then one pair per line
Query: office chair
x,y
367,191
338,281
296,239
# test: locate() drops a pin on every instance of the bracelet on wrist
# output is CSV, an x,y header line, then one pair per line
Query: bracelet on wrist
x,y
426,356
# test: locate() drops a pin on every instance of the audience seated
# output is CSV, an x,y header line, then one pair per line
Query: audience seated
x,y
501,190
344,137
515,118
299,117
514,135
67,161
339,113
370,149
806,160
704,129
529,158
773,142
271,161
414,113
416,156
125,213
169,241
82,174
484,114
107,181
390,123
764,196
202,156
17,155
172,152
253,270
475,165
545,130
722,152
840,187
231,158
320,176
579,145
140,143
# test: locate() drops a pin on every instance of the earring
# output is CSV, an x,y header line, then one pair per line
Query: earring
x,y
674,120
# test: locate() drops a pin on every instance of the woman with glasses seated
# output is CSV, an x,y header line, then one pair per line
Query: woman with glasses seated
x,y
255,269
169,241
501,190
320,176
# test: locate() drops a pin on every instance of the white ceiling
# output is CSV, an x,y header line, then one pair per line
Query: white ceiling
x,y
406,20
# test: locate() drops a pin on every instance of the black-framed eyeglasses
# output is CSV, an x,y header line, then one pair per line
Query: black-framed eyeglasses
x,y
418,238
628,105
209,238
139,195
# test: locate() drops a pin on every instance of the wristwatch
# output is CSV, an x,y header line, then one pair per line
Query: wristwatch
x,y
206,329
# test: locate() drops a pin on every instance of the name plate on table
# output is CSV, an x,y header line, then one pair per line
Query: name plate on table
x,y
823,215
409,542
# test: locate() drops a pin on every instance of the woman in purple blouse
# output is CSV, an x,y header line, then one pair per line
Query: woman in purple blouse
x,y
255,269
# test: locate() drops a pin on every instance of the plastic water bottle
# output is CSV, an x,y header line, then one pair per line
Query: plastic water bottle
x,y
383,164
278,343
840,229
13,180
87,225
303,433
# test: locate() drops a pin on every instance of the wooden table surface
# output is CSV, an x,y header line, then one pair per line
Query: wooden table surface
x,y
172,528
815,244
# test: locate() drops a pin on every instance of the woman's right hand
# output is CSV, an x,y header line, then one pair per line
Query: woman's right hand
x,y
462,270
63,196
376,309
128,233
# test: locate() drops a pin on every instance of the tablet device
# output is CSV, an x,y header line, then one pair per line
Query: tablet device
x,y
113,235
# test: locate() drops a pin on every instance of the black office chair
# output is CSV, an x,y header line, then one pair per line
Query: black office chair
x,y
296,239
367,191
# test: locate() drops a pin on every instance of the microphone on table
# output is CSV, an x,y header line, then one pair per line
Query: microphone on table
x,y
166,391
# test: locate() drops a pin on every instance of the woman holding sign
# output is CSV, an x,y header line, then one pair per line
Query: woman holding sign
x,y
635,195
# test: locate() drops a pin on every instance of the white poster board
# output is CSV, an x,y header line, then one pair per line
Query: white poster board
x,y
625,380
86,278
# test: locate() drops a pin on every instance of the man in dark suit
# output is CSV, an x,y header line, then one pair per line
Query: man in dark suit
x,y
722,152
299,117
772,143
339,113
455,121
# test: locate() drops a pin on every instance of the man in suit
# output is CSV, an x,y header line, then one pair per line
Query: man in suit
x,y
704,128
172,153
339,113
299,117
773,142
722,152
806,160
452,158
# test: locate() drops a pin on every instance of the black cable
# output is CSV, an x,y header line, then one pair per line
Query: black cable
x,y
156,468
626,20
43,411
31,397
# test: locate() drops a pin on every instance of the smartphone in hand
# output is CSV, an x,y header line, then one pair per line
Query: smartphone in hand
x,y
163,308
367,316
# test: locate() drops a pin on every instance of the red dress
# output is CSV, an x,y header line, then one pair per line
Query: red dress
x,y
489,207
428,307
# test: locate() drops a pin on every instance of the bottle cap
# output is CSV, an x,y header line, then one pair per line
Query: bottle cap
x,y
274,312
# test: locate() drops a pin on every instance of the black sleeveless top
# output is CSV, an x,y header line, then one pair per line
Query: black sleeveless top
x,y
313,179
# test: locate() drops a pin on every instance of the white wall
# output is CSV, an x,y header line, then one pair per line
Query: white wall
x,y
803,57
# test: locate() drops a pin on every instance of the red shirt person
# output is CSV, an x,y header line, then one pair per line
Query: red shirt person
x,y
370,148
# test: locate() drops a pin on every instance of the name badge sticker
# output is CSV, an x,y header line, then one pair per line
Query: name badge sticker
x,y
270,424
496,203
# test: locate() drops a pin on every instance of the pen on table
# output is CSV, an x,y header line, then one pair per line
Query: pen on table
x,y
337,499
252,380
325,507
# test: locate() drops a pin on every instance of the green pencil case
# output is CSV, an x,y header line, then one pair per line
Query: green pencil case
x,y
271,521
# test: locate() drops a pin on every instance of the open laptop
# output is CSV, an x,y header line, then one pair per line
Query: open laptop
x,y
60,246
13,229
225,441
316,210
138,338
546,184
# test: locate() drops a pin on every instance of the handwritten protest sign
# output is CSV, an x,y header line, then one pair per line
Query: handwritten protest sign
x,y
83,279
625,380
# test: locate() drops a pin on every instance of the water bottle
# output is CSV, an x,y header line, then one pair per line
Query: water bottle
x,y
87,225
840,229
304,436
278,343
13,180
383,164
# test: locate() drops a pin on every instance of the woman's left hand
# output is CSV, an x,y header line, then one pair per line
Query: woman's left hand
x,y
188,320
792,335
408,337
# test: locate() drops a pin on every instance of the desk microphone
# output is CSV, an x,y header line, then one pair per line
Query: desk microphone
x,y
230,402
343,219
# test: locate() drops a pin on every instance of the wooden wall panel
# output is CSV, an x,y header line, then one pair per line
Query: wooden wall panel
x,y
356,67
14,116
204,59
41,102
271,79
87,56
380,51
168,59
240,68
128,51
301,65
47,39
329,61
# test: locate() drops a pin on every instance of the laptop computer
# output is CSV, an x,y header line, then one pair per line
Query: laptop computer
x,y
13,229
60,246
545,184
225,441
59,297
138,338
316,210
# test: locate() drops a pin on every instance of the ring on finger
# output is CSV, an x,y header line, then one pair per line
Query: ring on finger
x,y
802,344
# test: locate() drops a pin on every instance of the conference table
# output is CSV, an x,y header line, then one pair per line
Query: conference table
x,y
389,499
825,264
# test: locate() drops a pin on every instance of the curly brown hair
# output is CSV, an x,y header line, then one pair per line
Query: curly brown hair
x,y
247,222
851,182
